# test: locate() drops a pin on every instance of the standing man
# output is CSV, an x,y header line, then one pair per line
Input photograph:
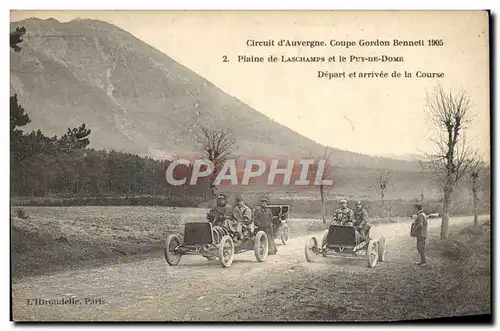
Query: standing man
x,y
263,219
419,230
243,215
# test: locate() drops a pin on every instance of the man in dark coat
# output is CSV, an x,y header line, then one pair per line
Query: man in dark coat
x,y
221,211
419,230
263,219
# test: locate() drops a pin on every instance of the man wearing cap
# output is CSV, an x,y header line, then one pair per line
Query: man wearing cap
x,y
343,215
419,230
361,221
263,219
221,211
243,215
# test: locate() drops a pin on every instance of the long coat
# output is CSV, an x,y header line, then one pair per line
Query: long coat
x,y
420,225
263,217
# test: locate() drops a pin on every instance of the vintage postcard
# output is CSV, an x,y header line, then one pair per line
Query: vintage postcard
x,y
243,166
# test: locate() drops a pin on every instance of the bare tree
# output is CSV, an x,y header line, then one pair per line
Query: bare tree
x,y
217,146
327,175
476,167
422,178
451,158
384,179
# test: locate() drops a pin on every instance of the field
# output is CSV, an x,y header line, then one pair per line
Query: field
x,y
70,236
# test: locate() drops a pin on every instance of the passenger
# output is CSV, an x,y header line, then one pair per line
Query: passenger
x,y
242,214
361,221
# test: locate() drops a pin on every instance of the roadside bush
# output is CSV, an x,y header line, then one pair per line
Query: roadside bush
x,y
22,213
456,250
472,230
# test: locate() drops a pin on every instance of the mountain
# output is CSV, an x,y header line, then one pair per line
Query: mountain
x,y
136,99
402,157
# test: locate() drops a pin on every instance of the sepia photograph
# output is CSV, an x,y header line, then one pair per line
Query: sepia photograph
x,y
250,166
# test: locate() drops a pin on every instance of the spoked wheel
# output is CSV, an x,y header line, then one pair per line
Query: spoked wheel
x,y
323,242
311,249
226,251
285,234
381,249
171,255
372,253
261,246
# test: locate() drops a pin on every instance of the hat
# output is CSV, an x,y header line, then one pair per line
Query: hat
x,y
343,201
359,203
238,199
221,196
264,199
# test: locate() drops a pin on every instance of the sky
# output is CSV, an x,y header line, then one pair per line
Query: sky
x,y
370,116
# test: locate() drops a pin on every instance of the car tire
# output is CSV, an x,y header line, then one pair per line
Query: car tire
x,y
261,246
171,256
285,234
310,249
226,251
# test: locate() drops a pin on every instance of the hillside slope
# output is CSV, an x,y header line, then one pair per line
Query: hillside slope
x,y
137,99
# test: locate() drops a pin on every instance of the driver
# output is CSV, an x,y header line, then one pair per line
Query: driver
x,y
221,211
343,215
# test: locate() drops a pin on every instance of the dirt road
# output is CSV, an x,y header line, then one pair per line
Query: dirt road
x,y
198,289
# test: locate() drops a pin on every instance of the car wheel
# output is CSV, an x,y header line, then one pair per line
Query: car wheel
x,y
311,249
226,251
285,234
171,255
261,246
372,253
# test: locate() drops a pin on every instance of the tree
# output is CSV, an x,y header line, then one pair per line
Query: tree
x,y
75,138
451,157
217,146
384,178
18,117
476,167
15,38
423,174
327,175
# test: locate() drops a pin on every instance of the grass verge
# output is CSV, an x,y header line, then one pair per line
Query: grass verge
x,y
58,238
